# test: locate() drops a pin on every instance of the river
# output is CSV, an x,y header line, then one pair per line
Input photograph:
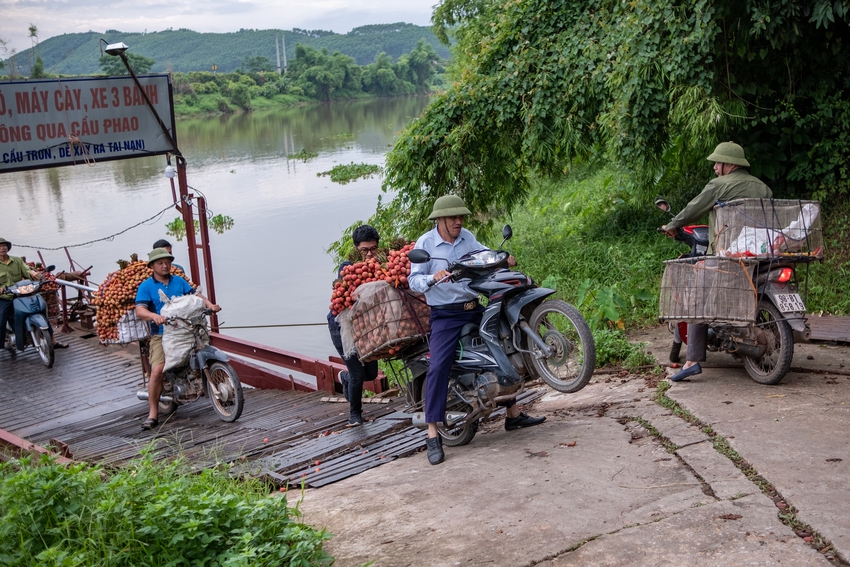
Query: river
x,y
271,267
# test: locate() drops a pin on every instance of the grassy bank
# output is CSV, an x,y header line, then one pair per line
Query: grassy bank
x,y
583,236
147,513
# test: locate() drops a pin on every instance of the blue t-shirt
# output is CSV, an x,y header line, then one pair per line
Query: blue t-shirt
x,y
148,295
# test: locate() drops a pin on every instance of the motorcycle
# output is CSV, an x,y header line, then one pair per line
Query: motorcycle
x,y
206,372
29,304
522,335
766,345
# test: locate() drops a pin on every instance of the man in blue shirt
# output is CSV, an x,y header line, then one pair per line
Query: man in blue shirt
x,y
148,307
453,305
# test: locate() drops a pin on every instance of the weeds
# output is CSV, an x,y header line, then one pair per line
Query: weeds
x,y
148,513
343,174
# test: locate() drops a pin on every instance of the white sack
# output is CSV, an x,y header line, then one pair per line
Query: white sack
x,y
178,338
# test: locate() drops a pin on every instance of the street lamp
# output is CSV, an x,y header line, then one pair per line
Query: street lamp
x,y
119,50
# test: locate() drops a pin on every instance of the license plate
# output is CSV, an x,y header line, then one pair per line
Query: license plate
x,y
790,302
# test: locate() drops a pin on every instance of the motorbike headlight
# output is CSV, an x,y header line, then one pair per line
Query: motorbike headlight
x,y
483,259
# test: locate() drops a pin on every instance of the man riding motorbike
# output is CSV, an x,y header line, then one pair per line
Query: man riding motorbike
x,y
148,307
733,181
13,270
453,305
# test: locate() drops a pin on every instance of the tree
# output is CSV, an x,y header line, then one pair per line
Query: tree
x,y
9,54
650,87
257,64
38,69
112,65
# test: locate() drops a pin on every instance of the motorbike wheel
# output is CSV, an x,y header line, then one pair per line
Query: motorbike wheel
x,y
225,391
562,327
771,368
44,345
456,436
166,409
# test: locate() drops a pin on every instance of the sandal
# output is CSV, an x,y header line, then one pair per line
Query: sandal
x,y
57,344
150,423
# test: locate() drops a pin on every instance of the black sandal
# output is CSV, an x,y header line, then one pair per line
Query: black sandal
x,y
150,423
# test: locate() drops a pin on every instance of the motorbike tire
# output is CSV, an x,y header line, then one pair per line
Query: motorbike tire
x,y
458,436
224,377
771,368
44,345
561,326
166,409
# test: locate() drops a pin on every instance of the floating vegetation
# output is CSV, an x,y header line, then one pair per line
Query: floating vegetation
x,y
303,155
343,174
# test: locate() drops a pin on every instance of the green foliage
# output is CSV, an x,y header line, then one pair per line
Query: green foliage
x,y
614,349
303,155
650,87
256,64
219,223
146,514
38,70
343,174
112,65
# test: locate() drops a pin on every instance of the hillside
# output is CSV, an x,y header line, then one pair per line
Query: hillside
x,y
186,50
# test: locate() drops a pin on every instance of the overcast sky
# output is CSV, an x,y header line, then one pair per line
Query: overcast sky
x,y
55,17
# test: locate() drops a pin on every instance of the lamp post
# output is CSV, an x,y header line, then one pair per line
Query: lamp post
x,y
185,203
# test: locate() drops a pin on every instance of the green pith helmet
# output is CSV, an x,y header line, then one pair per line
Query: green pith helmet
x,y
729,152
6,242
448,206
158,254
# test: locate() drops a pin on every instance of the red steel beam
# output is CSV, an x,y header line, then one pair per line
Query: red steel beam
x,y
18,445
325,371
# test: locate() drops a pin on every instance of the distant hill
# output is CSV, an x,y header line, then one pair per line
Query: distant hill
x,y
187,50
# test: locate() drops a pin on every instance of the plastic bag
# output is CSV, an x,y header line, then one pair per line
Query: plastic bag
x,y
762,241
179,338
131,328
346,333
385,319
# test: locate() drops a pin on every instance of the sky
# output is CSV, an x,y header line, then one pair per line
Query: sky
x,y
55,17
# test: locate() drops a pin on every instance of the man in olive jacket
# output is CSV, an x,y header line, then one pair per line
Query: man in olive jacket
x,y
733,181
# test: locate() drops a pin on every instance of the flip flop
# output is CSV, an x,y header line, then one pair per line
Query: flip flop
x,y
57,344
149,423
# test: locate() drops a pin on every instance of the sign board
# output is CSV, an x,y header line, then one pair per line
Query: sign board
x,y
53,122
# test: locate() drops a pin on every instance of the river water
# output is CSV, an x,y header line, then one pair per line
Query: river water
x,y
271,267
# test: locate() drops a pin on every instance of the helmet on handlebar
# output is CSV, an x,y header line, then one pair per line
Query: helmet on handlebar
x,y
448,206
6,242
729,152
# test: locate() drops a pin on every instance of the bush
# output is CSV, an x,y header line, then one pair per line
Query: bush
x,y
206,88
146,514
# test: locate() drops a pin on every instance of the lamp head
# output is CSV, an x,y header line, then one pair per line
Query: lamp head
x,y
116,48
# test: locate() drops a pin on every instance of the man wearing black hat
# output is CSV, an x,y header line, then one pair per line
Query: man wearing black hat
x,y
148,307
13,270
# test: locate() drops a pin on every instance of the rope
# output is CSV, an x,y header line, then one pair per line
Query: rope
x,y
273,326
110,237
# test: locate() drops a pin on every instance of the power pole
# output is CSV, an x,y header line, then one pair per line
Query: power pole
x,y
283,42
277,49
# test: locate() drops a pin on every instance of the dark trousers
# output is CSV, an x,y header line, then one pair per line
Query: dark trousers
x,y
357,372
6,314
697,337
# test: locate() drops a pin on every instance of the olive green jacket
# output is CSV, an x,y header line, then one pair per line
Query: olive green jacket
x,y
11,273
736,185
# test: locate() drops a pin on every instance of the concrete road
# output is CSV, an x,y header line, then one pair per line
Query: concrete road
x,y
595,486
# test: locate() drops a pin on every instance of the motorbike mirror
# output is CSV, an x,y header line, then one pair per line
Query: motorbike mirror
x,y
507,232
661,203
50,268
418,256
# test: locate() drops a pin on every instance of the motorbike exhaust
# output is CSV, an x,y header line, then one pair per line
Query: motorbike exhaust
x,y
802,336
452,418
753,351
143,395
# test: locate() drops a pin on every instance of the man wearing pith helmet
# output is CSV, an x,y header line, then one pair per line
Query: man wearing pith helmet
x,y
453,305
148,308
733,181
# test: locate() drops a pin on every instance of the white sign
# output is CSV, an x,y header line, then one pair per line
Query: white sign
x,y
53,122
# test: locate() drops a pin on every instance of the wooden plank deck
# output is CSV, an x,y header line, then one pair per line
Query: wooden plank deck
x,y
87,401
830,328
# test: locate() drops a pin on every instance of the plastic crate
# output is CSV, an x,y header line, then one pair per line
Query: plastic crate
x,y
385,320
700,290
767,228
